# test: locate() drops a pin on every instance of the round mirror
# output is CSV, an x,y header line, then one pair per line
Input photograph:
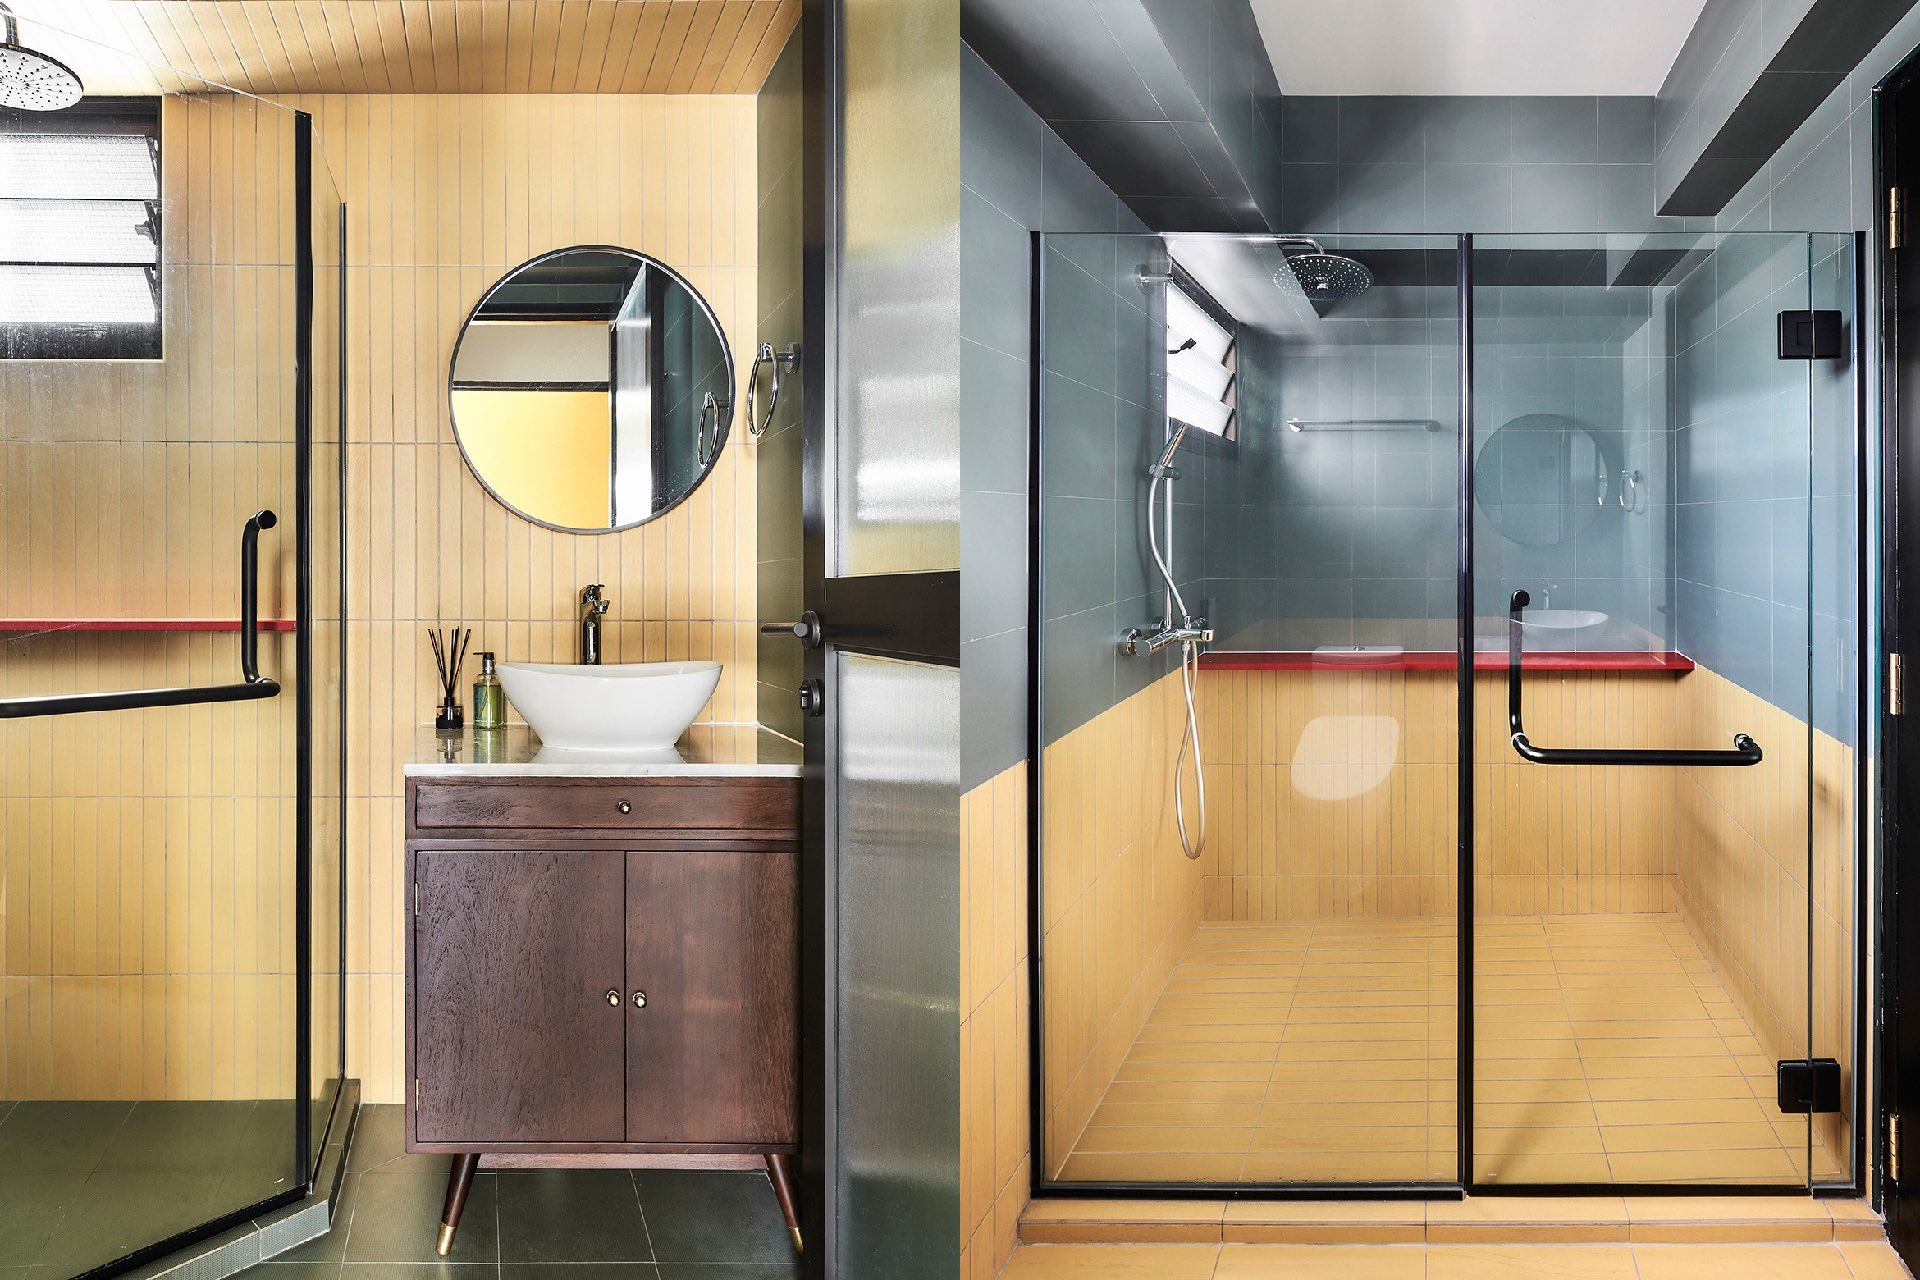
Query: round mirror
x,y
1541,479
591,389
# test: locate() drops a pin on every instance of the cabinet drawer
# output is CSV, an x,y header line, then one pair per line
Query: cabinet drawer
x,y
769,806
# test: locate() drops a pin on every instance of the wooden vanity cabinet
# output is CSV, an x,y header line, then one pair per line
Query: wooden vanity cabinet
x,y
602,970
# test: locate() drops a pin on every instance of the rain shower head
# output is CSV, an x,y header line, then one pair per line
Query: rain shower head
x,y
1323,276
31,80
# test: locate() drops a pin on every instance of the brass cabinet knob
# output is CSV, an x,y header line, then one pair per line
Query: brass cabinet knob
x,y
639,999
624,807
613,997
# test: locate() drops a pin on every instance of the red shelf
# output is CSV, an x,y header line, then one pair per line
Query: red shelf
x,y
1443,660
10,625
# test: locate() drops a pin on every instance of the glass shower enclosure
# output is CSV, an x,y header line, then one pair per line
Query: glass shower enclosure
x,y
1514,578
172,666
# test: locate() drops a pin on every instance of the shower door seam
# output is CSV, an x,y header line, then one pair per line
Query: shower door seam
x,y
1463,712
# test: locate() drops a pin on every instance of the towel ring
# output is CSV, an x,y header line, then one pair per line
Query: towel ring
x,y
789,359
707,447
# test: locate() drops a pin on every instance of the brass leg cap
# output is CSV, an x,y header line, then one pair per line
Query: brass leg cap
x,y
443,1243
795,1233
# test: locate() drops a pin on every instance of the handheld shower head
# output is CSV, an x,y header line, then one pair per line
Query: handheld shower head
x,y
1165,465
31,80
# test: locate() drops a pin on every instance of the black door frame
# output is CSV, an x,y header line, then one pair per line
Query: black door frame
x,y
1464,1182
1896,164
914,617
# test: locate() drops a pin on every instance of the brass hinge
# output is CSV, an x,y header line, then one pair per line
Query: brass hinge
x,y
1896,685
1893,1146
1895,231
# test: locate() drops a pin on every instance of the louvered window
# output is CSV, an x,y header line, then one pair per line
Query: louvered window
x,y
80,232
1201,360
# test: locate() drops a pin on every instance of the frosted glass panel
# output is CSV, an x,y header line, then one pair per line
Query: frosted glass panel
x,y
897,488
898,820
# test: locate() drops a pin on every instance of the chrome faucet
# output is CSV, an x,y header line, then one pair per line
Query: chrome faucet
x,y
592,605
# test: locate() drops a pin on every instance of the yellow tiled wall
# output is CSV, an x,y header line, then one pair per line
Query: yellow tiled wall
x,y
994,1065
146,895
1120,900
1357,818
1762,907
1330,794
445,193
1334,794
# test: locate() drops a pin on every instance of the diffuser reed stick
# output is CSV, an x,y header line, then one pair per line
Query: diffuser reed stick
x,y
448,657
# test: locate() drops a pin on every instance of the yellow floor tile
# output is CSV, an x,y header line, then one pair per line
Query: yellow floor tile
x,y
1873,1262
1530,1262
1741,1262
1103,1262
1607,1051
1320,1262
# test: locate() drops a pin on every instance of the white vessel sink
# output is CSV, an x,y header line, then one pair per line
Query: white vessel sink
x,y
630,706
1358,653
1561,619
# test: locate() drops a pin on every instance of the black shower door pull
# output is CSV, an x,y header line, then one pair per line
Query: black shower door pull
x,y
252,684
1745,750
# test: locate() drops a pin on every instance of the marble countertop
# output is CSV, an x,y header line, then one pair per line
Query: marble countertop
x,y
705,750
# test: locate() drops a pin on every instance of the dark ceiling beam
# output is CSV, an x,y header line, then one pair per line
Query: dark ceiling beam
x,y
1749,74
1171,102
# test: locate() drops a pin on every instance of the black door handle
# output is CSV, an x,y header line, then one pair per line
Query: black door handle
x,y
807,631
1745,750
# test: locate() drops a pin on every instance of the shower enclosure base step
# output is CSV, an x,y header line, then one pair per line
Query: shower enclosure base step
x,y
1475,1220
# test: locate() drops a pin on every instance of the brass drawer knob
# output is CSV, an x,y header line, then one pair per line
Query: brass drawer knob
x,y
639,999
613,998
624,807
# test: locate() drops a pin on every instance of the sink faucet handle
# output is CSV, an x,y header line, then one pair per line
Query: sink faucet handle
x,y
591,598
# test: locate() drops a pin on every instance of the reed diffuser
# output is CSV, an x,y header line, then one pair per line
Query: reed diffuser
x,y
448,655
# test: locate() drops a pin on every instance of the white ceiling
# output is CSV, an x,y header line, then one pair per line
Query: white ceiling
x,y
1490,47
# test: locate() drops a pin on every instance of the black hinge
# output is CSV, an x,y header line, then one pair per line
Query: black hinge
x,y
1811,335
1808,1086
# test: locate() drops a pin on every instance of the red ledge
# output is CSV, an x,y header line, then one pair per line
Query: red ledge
x,y
1594,660
11,625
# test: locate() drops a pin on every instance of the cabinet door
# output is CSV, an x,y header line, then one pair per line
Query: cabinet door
x,y
515,953
710,941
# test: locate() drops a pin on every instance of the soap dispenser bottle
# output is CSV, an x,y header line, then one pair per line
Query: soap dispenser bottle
x,y
489,699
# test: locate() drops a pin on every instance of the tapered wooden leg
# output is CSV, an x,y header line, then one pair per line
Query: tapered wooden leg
x,y
780,1174
459,1182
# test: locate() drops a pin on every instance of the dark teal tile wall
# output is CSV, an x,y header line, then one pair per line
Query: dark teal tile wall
x,y
1405,164
1765,460
1018,177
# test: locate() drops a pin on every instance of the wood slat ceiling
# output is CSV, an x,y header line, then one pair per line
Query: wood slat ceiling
x,y
273,47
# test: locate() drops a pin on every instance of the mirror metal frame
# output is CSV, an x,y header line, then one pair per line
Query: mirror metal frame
x,y
723,433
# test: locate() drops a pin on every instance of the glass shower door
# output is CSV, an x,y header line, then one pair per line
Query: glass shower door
x,y
1642,880
159,851
1268,997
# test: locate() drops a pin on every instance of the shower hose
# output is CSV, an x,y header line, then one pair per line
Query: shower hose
x,y
1191,842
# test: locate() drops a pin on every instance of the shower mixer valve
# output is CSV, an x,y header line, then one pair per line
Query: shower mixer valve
x,y
1140,643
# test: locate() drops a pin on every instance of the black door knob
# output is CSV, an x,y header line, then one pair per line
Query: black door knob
x,y
813,698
